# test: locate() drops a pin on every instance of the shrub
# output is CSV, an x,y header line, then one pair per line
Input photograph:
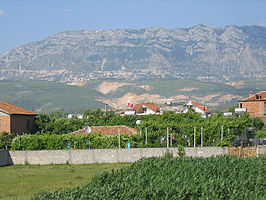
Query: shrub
x,y
6,140
181,151
70,141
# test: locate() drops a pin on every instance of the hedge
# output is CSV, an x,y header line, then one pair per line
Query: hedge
x,y
71,141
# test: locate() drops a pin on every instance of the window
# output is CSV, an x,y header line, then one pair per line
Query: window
x,y
240,105
257,96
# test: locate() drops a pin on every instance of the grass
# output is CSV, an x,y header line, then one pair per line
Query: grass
x,y
22,181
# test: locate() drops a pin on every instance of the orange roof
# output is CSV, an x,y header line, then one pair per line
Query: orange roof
x,y
109,130
259,96
204,108
152,107
12,109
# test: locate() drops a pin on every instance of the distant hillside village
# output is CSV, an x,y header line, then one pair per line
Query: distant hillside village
x,y
14,119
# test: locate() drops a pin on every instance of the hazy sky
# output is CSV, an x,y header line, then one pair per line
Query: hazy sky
x,y
23,21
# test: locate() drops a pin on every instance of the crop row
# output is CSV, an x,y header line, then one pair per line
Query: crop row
x,y
222,177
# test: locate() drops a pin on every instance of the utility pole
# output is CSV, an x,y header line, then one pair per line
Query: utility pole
x,y
119,138
201,137
222,134
195,131
167,138
146,137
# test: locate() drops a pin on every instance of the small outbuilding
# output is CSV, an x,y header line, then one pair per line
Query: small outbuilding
x,y
14,119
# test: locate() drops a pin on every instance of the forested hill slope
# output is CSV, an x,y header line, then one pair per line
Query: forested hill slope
x,y
48,96
199,53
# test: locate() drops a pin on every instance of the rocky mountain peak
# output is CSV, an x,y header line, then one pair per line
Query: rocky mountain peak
x,y
200,52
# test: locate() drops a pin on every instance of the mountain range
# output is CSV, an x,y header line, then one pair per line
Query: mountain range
x,y
201,53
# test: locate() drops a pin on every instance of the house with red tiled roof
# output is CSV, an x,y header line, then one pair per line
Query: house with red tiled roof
x,y
14,119
255,105
109,130
146,109
203,110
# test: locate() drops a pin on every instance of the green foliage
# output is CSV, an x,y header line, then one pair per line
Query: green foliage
x,y
5,140
175,178
168,154
181,151
71,141
56,124
181,126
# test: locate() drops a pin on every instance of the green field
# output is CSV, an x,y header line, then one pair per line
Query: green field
x,y
47,96
221,177
22,181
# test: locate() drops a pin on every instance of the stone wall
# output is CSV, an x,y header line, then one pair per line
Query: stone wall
x,y
105,155
261,150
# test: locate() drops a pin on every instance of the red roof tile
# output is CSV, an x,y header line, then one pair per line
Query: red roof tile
x,y
259,96
204,108
14,110
153,107
109,130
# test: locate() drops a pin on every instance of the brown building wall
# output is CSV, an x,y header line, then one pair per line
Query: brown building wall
x,y
254,108
5,123
22,123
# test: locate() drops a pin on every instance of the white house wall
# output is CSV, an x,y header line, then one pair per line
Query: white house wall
x,y
149,111
198,110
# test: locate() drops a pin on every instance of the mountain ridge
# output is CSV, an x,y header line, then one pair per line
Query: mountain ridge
x,y
201,53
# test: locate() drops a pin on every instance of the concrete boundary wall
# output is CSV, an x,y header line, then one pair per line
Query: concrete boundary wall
x,y
105,155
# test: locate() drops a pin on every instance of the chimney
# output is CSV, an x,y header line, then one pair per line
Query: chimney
x,y
250,93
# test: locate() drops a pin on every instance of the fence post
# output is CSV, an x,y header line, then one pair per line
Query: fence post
x,y
167,138
222,134
140,133
146,137
228,130
171,139
201,137
119,138
195,131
